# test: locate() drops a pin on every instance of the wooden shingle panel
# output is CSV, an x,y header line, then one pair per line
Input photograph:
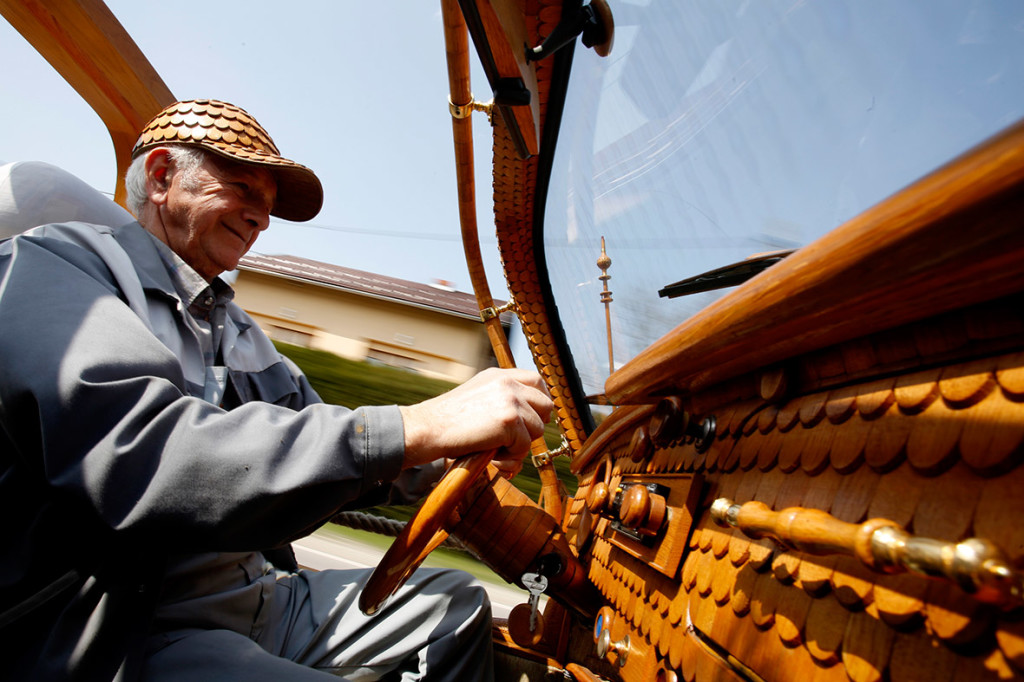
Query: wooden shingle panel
x,y
966,385
897,496
915,392
875,398
930,445
887,435
1010,375
954,617
921,658
947,505
1000,506
825,627
899,599
853,583
992,434
1010,637
866,648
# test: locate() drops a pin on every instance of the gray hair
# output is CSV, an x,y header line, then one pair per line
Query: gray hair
x,y
186,158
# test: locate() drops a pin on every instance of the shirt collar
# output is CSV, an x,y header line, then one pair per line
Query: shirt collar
x,y
199,295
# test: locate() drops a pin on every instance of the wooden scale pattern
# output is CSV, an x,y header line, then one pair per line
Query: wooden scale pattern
x,y
514,182
938,451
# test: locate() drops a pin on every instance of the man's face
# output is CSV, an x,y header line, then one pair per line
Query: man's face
x,y
213,218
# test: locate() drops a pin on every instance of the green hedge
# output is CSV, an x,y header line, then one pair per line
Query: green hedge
x,y
352,384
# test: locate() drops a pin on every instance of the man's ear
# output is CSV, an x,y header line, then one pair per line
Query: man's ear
x,y
158,175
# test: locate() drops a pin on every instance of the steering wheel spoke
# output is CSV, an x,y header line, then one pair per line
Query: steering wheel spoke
x,y
423,533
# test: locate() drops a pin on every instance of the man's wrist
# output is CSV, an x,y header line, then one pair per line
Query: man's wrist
x,y
413,430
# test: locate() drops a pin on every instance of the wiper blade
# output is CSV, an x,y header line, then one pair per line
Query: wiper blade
x,y
727,276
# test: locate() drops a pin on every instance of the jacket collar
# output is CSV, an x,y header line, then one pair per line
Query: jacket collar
x,y
149,266
153,271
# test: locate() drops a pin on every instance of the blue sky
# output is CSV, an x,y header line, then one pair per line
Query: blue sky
x,y
355,90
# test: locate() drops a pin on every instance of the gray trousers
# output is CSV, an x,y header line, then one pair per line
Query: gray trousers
x,y
307,626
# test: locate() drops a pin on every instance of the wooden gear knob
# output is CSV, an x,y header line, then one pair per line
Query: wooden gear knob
x,y
642,510
641,447
599,498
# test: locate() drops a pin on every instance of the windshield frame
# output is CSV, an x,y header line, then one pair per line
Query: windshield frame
x,y
561,66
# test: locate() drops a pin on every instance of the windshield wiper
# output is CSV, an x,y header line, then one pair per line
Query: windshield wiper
x,y
727,276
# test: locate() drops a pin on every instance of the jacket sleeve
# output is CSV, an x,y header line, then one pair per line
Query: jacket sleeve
x,y
93,401
409,487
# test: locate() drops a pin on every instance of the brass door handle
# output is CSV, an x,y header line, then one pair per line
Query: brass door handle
x,y
978,566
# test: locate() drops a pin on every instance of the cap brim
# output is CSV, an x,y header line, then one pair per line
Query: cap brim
x,y
300,195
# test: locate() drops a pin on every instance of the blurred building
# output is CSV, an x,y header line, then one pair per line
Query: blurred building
x,y
430,329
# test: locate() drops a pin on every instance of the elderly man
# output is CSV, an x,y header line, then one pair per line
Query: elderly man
x,y
154,443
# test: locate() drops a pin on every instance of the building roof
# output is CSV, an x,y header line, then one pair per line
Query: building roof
x,y
430,296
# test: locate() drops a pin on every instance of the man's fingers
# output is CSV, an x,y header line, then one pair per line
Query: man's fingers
x,y
508,468
527,377
526,424
506,409
542,404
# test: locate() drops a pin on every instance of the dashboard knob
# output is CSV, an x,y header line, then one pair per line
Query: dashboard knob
x,y
636,505
519,626
597,500
669,422
643,510
612,651
603,621
641,447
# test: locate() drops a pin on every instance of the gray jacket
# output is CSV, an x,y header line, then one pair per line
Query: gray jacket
x,y
110,459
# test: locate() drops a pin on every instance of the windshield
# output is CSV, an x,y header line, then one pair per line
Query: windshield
x,y
717,130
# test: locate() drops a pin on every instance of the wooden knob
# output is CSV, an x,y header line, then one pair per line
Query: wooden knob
x,y
669,421
656,517
641,447
603,621
597,501
519,626
643,510
636,505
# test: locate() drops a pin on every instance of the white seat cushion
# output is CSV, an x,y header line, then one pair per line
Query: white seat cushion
x,y
36,193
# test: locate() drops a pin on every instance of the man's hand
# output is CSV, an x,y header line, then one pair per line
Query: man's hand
x,y
502,409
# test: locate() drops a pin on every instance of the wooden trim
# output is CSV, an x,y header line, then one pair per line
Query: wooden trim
x,y
87,45
457,48
619,424
952,239
508,38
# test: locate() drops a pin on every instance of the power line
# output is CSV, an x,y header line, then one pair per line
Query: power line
x,y
427,236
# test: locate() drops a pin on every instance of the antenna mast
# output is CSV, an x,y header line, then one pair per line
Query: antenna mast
x,y
604,262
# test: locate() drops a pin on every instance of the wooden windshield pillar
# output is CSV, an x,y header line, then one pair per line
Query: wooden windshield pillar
x,y
461,99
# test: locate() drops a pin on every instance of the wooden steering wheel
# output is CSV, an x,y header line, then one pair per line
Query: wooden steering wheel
x,y
423,533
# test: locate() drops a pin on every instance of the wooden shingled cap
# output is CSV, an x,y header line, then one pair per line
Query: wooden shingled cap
x,y
231,132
